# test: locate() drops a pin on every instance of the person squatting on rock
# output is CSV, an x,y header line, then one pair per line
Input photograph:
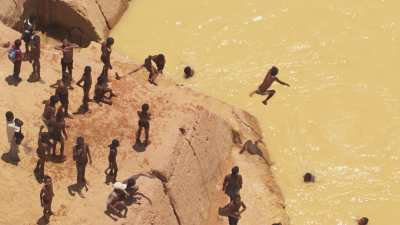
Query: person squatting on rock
x,y
144,123
154,65
81,155
86,79
112,168
269,79
67,60
101,90
46,198
232,183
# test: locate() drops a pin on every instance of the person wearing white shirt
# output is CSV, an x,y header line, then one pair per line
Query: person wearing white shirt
x,y
11,130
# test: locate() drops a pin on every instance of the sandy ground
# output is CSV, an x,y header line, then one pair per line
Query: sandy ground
x,y
208,124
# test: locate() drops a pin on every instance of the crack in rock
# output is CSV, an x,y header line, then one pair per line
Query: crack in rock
x,y
159,175
246,124
102,13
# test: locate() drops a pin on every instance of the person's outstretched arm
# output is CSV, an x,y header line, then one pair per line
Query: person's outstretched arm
x,y
281,82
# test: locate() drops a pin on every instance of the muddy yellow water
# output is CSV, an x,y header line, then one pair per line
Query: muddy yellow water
x,y
339,119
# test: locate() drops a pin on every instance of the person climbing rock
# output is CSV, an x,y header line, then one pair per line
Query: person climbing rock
x,y
144,123
269,79
232,183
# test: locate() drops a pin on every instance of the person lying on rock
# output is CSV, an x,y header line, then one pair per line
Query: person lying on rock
x,y
112,168
35,58
232,183
46,198
269,79
58,132
144,123
101,90
42,151
106,49
86,79
62,94
49,111
116,203
67,60
232,210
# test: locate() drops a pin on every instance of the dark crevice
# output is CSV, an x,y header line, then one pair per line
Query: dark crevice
x,y
159,175
244,123
104,16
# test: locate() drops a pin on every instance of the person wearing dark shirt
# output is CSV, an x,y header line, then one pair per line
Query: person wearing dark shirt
x,y
233,183
112,169
144,118
18,60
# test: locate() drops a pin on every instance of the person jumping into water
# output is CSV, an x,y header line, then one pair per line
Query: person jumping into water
x,y
269,79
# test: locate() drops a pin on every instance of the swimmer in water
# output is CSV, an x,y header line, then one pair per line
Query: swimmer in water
x,y
269,79
363,221
189,72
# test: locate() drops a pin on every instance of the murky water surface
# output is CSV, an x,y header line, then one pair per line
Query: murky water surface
x,y
339,120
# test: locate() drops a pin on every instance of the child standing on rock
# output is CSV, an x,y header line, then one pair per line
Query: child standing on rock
x,y
144,118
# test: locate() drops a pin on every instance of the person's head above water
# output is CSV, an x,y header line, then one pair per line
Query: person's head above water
x,y
109,41
363,221
145,107
189,72
235,171
9,116
274,71
308,178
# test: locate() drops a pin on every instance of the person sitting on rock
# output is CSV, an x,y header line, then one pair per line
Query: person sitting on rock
x,y
255,149
116,203
144,123
233,183
100,91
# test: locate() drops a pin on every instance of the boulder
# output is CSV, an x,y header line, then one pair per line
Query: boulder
x,y
112,10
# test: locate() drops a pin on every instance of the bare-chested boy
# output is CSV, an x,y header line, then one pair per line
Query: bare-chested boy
x,y
269,79
67,60
49,111
46,198
101,90
35,57
58,133
42,151
81,155
63,95
106,49
144,123
87,84
112,169
232,183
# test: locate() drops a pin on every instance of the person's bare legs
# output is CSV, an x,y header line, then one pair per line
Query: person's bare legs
x,y
62,147
138,134
146,132
270,94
